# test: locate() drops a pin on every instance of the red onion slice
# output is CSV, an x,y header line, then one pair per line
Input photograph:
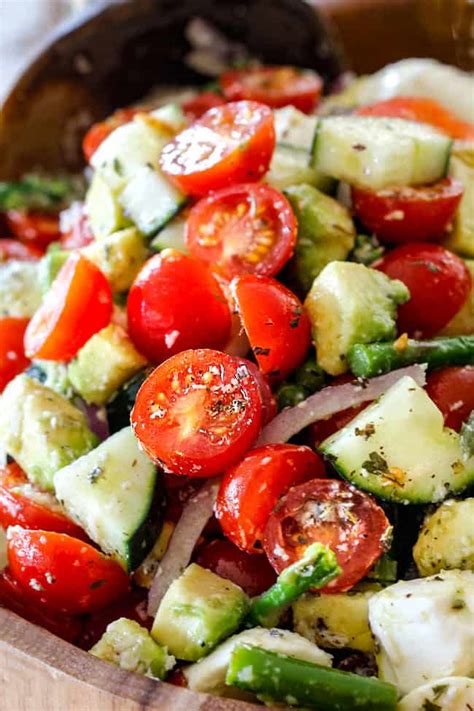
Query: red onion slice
x,y
196,514
96,418
330,400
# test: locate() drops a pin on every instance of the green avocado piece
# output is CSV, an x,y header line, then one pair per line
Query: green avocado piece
x,y
350,303
199,610
446,540
130,646
107,361
52,374
49,266
41,430
119,256
461,167
326,232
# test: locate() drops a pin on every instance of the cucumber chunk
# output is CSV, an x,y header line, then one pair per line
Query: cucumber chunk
x,y
115,494
198,611
399,450
130,646
119,256
172,235
374,152
452,693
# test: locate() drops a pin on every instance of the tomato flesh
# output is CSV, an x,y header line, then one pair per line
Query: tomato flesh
x,y
16,599
229,144
21,504
439,283
175,304
198,412
274,86
78,304
252,573
409,214
197,106
275,321
12,354
336,514
251,489
14,249
243,229
452,390
37,229
62,572
417,108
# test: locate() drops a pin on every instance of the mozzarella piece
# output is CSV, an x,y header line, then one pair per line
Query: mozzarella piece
x,y
423,629
453,693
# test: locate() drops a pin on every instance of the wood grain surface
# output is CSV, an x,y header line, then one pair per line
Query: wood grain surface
x,y
39,672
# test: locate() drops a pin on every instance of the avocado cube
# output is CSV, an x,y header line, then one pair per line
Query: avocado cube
x,y
107,361
41,429
325,232
198,611
49,266
350,303
119,256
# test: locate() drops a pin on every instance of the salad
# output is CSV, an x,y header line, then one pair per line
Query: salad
x,y
237,409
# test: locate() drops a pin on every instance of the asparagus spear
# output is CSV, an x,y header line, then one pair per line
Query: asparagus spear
x,y
377,358
316,568
277,677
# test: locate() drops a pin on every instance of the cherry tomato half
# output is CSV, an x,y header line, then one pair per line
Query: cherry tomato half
x,y
197,106
62,572
99,131
37,229
13,249
24,505
417,108
409,214
176,303
78,304
269,403
243,229
439,283
336,514
198,412
252,573
275,321
452,390
274,86
229,144
75,227
251,489
12,355
16,599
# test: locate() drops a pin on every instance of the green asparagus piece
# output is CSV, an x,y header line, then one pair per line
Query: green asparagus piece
x,y
294,682
36,192
310,375
316,568
375,358
367,249
289,395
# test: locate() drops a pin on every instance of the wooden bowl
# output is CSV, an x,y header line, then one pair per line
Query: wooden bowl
x,y
110,57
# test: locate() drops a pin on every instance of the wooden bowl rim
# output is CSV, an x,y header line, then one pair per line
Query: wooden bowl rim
x,y
22,638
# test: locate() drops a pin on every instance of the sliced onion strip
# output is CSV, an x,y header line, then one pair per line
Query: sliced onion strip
x,y
331,400
196,513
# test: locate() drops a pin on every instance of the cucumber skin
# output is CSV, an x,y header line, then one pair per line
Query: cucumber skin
x,y
144,538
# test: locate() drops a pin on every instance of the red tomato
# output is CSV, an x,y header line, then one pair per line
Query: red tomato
x,y
13,249
276,324
251,489
439,284
132,606
78,304
245,228
416,108
452,390
197,106
75,227
251,572
24,505
336,514
12,354
274,86
35,228
229,144
99,131
404,214
198,412
176,303
16,599
62,572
